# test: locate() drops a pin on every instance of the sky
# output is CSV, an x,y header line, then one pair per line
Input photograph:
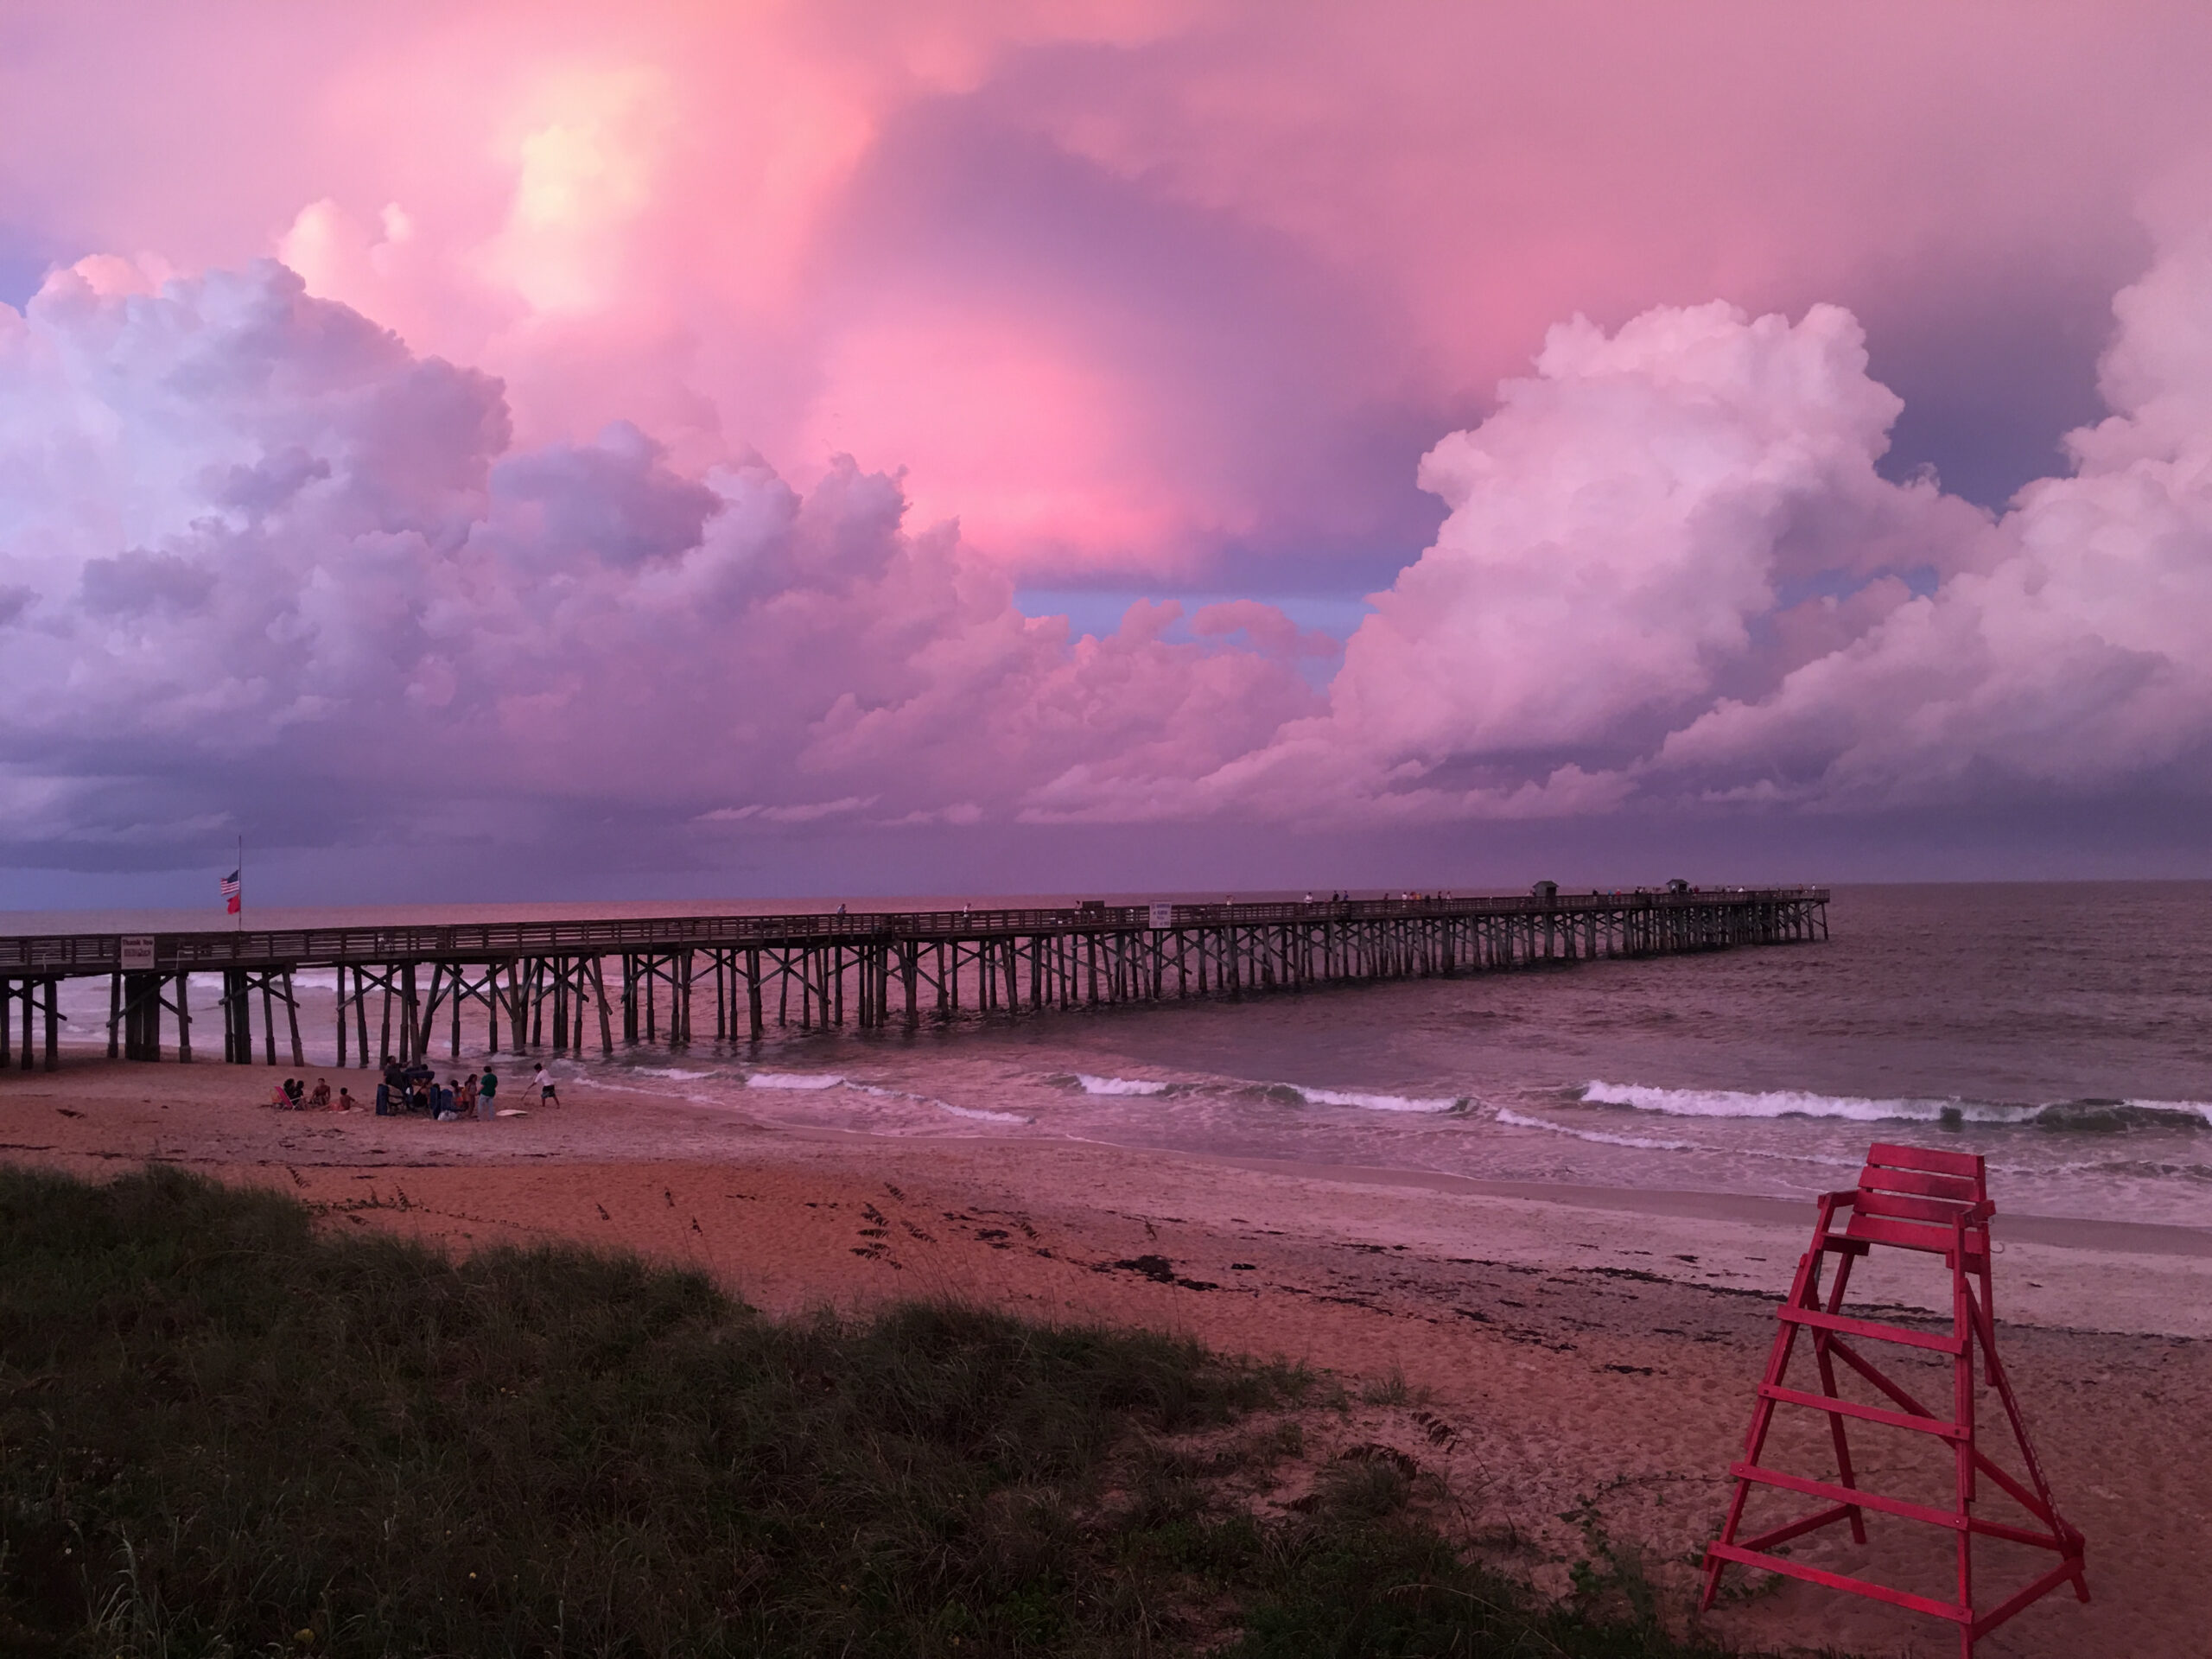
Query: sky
x,y
562,451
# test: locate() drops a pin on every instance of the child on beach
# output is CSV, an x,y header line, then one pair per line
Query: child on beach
x,y
345,1101
465,1101
488,1094
320,1098
547,1095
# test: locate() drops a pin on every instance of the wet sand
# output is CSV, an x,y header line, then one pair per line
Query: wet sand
x,y
1564,1350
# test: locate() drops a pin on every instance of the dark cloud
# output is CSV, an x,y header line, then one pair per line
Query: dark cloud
x,y
133,584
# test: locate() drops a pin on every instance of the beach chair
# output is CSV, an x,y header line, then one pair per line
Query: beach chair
x,y
1936,1202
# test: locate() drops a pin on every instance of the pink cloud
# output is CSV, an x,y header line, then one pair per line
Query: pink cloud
x,y
254,543
1208,253
667,407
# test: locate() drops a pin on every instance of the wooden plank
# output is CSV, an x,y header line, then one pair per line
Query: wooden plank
x,y
1911,1235
1798,1528
1912,1180
1905,1599
2069,1568
1941,1212
1926,1160
1865,1413
1857,1497
1850,1326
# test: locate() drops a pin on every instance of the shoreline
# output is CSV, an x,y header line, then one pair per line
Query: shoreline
x,y
1569,1351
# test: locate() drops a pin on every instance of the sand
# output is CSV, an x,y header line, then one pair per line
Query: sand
x,y
1564,1351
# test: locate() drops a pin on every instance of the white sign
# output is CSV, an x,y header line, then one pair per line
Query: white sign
x,y
138,953
1163,915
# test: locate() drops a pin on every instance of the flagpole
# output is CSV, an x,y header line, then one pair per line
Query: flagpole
x,y
241,882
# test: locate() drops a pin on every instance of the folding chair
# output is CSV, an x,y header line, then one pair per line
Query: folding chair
x,y
1912,1198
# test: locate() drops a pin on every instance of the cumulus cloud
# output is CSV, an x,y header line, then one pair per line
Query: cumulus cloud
x,y
258,558
263,561
1673,576
2072,660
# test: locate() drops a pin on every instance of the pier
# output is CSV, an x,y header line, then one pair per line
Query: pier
x,y
563,986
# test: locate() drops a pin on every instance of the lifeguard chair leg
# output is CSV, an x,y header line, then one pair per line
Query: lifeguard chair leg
x,y
1964,1333
1827,1363
1804,1292
2042,1505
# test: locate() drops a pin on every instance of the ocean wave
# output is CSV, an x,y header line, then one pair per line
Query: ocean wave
x,y
1512,1119
1296,1093
794,1080
1121,1085
2201,1111
1782,1102
674,1071
2088,1115
1515,1119
981,1113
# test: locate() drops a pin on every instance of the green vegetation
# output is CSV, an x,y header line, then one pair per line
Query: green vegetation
x,y
222,1434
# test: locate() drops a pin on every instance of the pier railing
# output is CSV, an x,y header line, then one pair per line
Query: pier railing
x,y
887,965
214,949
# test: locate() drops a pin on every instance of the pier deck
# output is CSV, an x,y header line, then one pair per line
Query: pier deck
x,y
550,981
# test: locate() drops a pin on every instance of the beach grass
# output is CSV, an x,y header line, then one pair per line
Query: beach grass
x,y
226,1431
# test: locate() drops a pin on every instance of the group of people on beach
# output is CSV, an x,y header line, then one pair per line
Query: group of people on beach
x,y
414,1090
293,1094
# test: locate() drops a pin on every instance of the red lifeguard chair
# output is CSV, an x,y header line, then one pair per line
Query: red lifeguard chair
x,y
1937,1203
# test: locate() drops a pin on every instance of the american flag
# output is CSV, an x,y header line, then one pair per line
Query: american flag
x,y
230,893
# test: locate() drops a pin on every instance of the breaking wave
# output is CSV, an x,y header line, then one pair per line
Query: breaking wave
x,y
1121,1085
981,1114
2088,1115
1296,1093
1515,1119
793,1080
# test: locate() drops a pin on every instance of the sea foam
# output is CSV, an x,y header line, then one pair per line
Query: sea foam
x,y
981,1114
1121,1085
1792,1103
1375,1102
2081,1115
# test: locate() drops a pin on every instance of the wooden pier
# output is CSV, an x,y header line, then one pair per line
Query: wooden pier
x,y
565,985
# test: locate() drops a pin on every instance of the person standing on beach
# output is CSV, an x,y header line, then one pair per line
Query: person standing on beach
x,y
466,1102
488,1094
547,1095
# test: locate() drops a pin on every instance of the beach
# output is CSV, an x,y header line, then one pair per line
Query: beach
x,y
1571,1364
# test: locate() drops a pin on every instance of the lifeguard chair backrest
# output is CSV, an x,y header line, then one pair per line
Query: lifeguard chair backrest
x,y
1912,1195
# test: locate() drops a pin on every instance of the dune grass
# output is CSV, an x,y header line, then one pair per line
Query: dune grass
x,y
224,1432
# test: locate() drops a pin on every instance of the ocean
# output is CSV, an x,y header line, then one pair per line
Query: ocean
x,y
2059,1029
